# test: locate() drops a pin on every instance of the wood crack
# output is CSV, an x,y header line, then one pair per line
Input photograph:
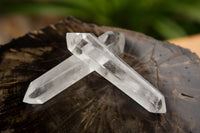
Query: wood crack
x,y
155,65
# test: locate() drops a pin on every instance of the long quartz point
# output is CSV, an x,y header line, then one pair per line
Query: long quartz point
x,y
68,72
102,60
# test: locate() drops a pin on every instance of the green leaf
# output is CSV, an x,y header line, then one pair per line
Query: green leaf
x,y
191,11
169,29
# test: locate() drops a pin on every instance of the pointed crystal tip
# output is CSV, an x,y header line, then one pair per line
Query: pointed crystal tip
x,y
162,108
159,107
31,98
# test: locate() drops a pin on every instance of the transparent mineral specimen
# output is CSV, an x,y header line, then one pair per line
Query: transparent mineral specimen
x,y
101,55
93,52
68,72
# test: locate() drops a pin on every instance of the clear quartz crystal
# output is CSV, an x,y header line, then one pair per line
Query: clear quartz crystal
x,y
68,72
99,58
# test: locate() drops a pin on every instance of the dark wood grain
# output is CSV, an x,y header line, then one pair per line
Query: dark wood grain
x,y
93,104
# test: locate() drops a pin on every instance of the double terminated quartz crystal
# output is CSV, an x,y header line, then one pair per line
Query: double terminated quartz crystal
x,y
94,53
68,72
99,55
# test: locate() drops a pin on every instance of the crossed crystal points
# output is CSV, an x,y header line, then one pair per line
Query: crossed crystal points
x,y
101,55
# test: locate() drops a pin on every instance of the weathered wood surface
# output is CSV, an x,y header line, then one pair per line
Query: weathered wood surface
x,y
93,104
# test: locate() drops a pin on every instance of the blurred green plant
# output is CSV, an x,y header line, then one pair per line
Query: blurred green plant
x,y
158,18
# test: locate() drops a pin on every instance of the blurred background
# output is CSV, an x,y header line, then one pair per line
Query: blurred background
x,y
161,19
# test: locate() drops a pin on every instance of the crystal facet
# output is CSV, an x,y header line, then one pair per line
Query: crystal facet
x,y
103,61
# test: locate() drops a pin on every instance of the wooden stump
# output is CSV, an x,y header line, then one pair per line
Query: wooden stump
x,y
93,104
